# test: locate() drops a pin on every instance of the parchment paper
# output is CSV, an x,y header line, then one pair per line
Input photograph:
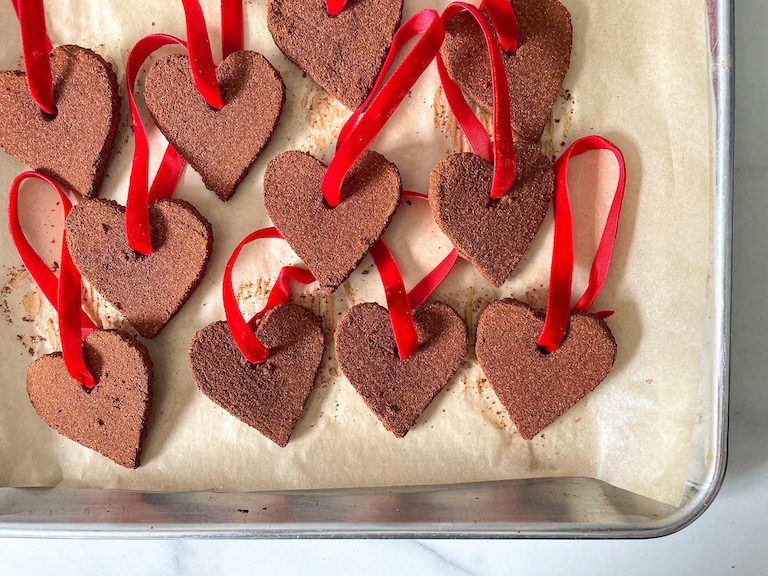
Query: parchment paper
x,y
638,76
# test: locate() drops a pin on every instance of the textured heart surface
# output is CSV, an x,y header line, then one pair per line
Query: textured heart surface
x,y
535,73
535,387
344,53
396,391
110,419
492,234
270,396
331,241
221,144
147,290
75,146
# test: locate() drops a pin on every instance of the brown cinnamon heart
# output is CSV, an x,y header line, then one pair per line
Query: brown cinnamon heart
x,y
396,391
331,241
344,53
148,290
76,145
492,234
270,396
535,73
535,387
221,144
110,419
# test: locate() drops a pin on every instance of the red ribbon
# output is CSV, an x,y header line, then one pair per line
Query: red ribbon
x,y
64,293
502,152
419,293
504,21
231,27
204,74
36,48
561,277
335,7
401,303
242,331
358,133
368,120
400,311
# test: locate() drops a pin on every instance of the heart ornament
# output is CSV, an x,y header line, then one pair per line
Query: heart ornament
x,y
262,371
536,387
269,396
221,145
399,359
147,289
112,417
398,391
534,73
75,146
342,53
331,241
493,234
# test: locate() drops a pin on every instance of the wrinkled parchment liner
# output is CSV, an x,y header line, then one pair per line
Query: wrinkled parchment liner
x,y
637,76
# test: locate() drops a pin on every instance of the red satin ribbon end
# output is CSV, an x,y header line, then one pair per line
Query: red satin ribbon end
x,y
335,7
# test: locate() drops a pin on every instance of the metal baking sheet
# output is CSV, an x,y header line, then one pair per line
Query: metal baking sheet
x,y
546,507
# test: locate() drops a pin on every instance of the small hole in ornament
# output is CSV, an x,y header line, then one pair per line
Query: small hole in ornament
x,y
48,117
328,206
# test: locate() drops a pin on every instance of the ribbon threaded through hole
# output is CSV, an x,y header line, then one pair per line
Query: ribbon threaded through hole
x,y
501,151
243,331
561,275
401,303
385,97
64,293
140,196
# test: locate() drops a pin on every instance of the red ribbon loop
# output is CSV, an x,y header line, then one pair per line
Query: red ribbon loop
x,y
335,7
137,205
204,74
401,303
561,276
231,27
419,293
368,120
504,21
502,152
242,331
400,311
200,55
63,294
37,49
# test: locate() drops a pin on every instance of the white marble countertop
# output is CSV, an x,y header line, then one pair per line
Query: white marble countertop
x,y
730,538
